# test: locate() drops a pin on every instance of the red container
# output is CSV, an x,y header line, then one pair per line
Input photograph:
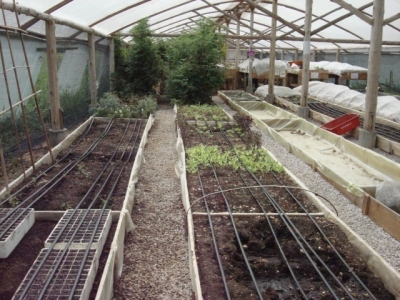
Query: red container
x,y
343,124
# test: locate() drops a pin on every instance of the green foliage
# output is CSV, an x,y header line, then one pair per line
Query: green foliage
x,y
111,106
253,158
143,67
203,112
194,57
118,78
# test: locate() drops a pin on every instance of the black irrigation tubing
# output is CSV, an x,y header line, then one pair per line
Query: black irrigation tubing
x,y
297,283
322,232
296,235
315,193
57,178
49,278
327,239
49,168
237,234
214,239
103,209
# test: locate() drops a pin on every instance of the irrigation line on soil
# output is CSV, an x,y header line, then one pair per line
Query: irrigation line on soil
x,y
52,182
52,165
238,239
260,186
316,224
328,241
214,239
49,277
296,235
103,209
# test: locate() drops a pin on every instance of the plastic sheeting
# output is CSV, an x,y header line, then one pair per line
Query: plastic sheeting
x,y
279,91
388,107
335,67
261,66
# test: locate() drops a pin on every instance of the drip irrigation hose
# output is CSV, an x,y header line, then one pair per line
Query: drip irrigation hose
x,y
296,235
65,171
237,235
49,278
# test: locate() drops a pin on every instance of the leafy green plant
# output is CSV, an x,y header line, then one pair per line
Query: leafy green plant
x,y
147,106
204,112
195,64
253,158
243,121
143,66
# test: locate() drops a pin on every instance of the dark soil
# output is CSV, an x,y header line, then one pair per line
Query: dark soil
x,y
14,268
67,194
271,273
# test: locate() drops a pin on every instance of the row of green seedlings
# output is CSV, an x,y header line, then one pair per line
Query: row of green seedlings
x,y
251,156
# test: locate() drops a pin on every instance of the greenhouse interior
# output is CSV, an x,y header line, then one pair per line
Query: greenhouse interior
x,y
208,149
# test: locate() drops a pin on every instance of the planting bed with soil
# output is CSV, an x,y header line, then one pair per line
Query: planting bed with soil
x,y
252,256
69,192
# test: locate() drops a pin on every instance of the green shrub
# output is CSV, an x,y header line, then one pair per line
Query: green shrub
x,y
194,64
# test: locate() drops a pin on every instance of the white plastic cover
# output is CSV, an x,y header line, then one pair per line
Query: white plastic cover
x,y
109,16
335,67
279,91
388,107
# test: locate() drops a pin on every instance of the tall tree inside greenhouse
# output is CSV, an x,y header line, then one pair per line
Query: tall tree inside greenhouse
x,y
195,62
143,63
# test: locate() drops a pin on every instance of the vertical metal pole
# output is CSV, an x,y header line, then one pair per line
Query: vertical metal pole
x,y
92,69
271,76
338,54
250,77
296,54
368,134
315,55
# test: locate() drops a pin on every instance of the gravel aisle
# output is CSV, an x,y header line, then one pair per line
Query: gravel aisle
x,y
156,264
382,242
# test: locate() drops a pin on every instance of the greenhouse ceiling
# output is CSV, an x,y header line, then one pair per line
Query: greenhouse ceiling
x,y
335,23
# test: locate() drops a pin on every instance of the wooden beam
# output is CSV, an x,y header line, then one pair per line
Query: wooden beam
x,y
371,97
49,11
354,10
152,15
92,70
236,19
54,96
306,55
46,17
297,39
112,63
391,19
283,21
118,12
333,22
271,81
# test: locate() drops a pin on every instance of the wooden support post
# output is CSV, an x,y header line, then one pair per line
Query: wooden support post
x,y
237,50
368,134
92,69
227,21
271,76
54,96
3,168
296,55
366,204
315,55
250,77
112,64
338,54
303,109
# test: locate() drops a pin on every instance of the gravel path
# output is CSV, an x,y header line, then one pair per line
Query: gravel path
x,y
376,237
156,263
